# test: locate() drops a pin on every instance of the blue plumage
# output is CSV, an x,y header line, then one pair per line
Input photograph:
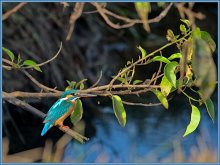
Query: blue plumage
x,y
58,109
46,128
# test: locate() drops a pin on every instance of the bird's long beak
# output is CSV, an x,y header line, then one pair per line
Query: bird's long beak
x,y
75,98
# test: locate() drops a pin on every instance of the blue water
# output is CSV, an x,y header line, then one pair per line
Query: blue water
x,y
150,135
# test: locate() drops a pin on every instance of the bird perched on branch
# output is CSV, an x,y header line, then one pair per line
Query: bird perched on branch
x,y
60,110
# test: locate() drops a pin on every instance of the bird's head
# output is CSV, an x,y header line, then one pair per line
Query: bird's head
x,y
71,98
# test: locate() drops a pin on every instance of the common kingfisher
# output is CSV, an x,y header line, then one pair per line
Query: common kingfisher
x,y
59,111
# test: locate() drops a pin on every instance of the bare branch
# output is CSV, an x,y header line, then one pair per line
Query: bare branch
x,y
38,83
48,61
7,14
74,16
128,22
96,83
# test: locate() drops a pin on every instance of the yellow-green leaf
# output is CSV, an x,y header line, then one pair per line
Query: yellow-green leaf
x,y
161,59
210,109
161,98
143,8
32,64
143,52
119,110
9,53
169,71
194,121
170,35
207,37
174,56
137,82
183,29
165,86
77,113
186,22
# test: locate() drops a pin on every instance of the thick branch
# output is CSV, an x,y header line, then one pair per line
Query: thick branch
x,y
42,115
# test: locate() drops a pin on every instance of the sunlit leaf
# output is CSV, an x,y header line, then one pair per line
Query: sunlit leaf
x,y
123,80
9,53
170,35
183,29
32,64
169,71
137,82
77,113
143,52
186,22
196,33
210,109
165,86
207,37
194,121
161,59
161,98
143,8
119,110
174,56
80,84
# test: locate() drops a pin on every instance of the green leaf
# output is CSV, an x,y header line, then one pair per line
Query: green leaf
x,y
119,110
186,22
161,98
80,84
210,109
204,68
174,56
137,82
143,52
77,113
143,8
165,86
196,33
207,37
170,35
123,80
183,29
169,71
9,53
32,64
194,122
161,59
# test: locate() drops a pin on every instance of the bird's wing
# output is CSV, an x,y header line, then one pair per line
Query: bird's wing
x,y
58,109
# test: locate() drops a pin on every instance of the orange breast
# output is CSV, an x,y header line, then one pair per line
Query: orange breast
x,y
62,118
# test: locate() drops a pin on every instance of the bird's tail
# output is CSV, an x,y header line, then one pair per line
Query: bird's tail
x,y
47,126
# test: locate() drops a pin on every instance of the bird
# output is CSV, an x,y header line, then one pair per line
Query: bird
x,y
59,111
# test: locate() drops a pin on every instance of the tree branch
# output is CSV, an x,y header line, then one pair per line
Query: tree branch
x,y
7,14
42,115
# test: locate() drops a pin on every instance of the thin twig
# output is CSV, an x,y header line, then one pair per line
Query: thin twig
x,y
46,62
74,16
96,83
141,104
7,14
128,22
38,83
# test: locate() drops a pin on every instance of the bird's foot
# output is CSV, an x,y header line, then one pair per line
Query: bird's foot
x,y
65,127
